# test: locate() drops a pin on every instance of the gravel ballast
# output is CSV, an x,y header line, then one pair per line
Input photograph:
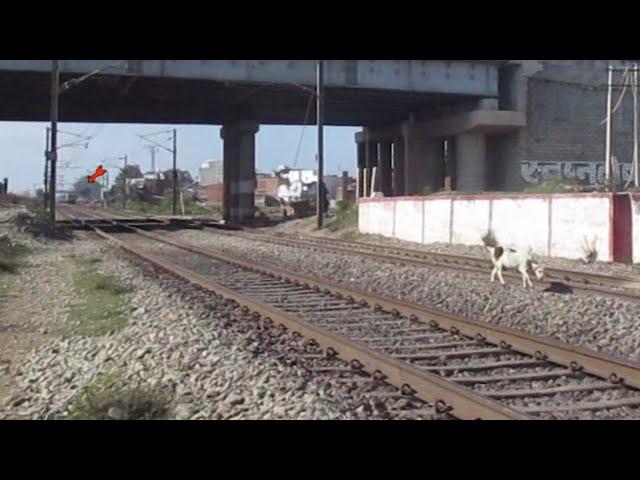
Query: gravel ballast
x,y
213,361
607,268
603,324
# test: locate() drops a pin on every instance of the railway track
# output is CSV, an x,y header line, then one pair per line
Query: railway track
x,y
559,280
463,367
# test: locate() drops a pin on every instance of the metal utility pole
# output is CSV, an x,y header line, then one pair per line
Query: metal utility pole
x,y
320,120
153,149
55,92
45,192
125,190
173,151
607,158
175,173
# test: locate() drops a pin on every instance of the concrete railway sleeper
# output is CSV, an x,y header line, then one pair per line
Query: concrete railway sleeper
x,y
459,365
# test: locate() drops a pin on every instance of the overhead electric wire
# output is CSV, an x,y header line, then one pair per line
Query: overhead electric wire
x,y
306,118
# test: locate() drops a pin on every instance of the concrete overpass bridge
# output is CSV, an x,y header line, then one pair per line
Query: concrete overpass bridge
x,y
409,107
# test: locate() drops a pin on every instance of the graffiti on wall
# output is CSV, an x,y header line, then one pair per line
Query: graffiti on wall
x,y
587,173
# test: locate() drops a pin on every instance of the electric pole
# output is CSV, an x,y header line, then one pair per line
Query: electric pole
x,y
45,191
125,190
153,149
175,172
173,151
55,89
320,120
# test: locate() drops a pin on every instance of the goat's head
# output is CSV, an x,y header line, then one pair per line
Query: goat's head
x,y
539,271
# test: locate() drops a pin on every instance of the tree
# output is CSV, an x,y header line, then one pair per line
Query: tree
x,y
86,190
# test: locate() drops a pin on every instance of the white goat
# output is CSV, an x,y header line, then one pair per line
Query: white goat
x,y
509,258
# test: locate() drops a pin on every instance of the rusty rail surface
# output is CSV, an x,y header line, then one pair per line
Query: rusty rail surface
x,y
460,337
579,282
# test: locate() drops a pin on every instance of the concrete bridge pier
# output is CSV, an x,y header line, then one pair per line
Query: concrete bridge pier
x,y
398,166
424,160
371,160
471,162
361,166
239,171
384,168
377,149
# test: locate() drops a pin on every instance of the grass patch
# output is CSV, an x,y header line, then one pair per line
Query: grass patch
x,y
12,254
165,207
101,308
108,397
553,186
346,216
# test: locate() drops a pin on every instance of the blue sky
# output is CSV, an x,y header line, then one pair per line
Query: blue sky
x,y
22,147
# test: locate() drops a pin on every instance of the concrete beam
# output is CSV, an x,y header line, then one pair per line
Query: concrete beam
x,y
489,122
465,77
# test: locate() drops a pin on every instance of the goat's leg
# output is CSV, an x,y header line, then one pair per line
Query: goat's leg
x,y
493,274
526,281
500,276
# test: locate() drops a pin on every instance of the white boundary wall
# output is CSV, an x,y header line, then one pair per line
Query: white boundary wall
x,y
635,225
553,225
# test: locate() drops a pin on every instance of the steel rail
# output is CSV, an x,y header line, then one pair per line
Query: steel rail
x,y
595,363
430,387
584,282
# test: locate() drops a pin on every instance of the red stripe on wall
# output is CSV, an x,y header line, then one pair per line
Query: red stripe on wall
x,y
611,230
621,228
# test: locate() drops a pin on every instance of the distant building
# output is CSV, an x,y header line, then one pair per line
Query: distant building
x,y
211,172
133,171
210,193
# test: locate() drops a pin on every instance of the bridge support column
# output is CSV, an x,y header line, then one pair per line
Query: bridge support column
x,y
239,171
471,162
361,167
384,168
398,166
371,160
424,162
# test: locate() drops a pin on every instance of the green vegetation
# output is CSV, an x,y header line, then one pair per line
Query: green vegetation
x,y
86,190
108,397
346,216
101,306
12,254
552,186
165,207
